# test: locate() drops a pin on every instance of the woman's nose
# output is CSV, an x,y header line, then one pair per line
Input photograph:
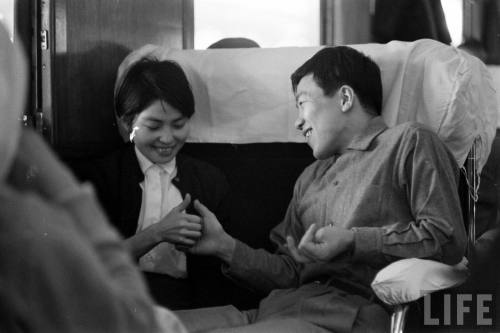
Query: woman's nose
x,y
166,136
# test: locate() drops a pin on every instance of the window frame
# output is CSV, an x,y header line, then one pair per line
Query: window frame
x,y
325,23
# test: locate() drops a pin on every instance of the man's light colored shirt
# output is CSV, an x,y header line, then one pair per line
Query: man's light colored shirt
x,y
396,188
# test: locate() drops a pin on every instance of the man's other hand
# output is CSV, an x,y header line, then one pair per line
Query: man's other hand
x,y
294,251
322,244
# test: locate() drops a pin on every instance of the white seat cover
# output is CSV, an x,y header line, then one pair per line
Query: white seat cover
x,y
407,280
245,95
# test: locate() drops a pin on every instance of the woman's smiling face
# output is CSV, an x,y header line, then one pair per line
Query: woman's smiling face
x,y
160,132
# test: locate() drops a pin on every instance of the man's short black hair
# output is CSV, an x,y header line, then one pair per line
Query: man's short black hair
x,y
332,67
150,80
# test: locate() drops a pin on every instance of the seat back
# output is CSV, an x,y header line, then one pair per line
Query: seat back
x,y
245,110
245,96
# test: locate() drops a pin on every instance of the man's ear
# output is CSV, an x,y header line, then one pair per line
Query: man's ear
x,y
346,97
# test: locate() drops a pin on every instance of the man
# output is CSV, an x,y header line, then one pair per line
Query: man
x,y
376,194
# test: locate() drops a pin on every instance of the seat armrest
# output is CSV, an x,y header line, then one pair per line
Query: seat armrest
x,y
407,280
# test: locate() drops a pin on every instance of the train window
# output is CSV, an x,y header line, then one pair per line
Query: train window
x,y
7,16
453,12
269,23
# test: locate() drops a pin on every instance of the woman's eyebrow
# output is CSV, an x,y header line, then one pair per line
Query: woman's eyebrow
x,y
152,119
181,118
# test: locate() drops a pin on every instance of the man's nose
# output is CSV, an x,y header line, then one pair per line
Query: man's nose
x,y
299,123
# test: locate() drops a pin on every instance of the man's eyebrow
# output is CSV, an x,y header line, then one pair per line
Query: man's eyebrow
x,y
297,96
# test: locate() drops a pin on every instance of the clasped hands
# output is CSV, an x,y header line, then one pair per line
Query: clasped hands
x,y
321,244
36,168
190,233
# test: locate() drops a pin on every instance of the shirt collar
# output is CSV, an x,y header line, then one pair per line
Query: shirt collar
x,y
145,163
363,140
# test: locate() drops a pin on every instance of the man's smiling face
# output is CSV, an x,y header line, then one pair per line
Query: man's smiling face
x,y
320,118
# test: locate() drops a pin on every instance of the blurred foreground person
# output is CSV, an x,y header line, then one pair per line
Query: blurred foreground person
x,y
63,268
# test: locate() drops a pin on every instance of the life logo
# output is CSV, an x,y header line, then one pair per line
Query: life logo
x,y
460,310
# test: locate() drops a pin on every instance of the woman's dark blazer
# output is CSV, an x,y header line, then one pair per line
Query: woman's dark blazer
x,y
116,179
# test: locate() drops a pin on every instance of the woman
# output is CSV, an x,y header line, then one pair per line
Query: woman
x,y
147,186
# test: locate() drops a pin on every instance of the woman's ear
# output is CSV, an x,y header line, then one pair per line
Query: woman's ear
x,y
126,128
123,129
346,97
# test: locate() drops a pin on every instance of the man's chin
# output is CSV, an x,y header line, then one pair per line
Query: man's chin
x,y
320,155
316,153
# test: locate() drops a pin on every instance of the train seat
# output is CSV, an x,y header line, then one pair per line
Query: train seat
x,y
244,118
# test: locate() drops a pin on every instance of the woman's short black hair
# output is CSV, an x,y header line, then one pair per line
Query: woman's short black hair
x,y
150,80
333,67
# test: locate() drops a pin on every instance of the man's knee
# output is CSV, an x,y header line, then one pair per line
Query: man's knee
x,y
204,319
276,325
371,318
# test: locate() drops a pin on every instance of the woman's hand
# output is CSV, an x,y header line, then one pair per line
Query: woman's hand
x,y
178,227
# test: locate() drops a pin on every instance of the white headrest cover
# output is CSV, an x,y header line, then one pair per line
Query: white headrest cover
x,y
245,95
12,98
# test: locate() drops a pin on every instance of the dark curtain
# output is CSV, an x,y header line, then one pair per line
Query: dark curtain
x,y
491,31
409,20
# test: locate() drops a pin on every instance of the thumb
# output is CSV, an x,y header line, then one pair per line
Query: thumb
x,y
184,204
294,251
290,243
204,211
309,236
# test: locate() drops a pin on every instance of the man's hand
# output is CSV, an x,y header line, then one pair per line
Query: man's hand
x,y
214,240
321,244
295,252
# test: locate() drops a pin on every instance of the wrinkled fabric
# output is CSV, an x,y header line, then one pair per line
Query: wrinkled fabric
x,y
245,95
312,308
495,73
409,279
67,270
409,20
